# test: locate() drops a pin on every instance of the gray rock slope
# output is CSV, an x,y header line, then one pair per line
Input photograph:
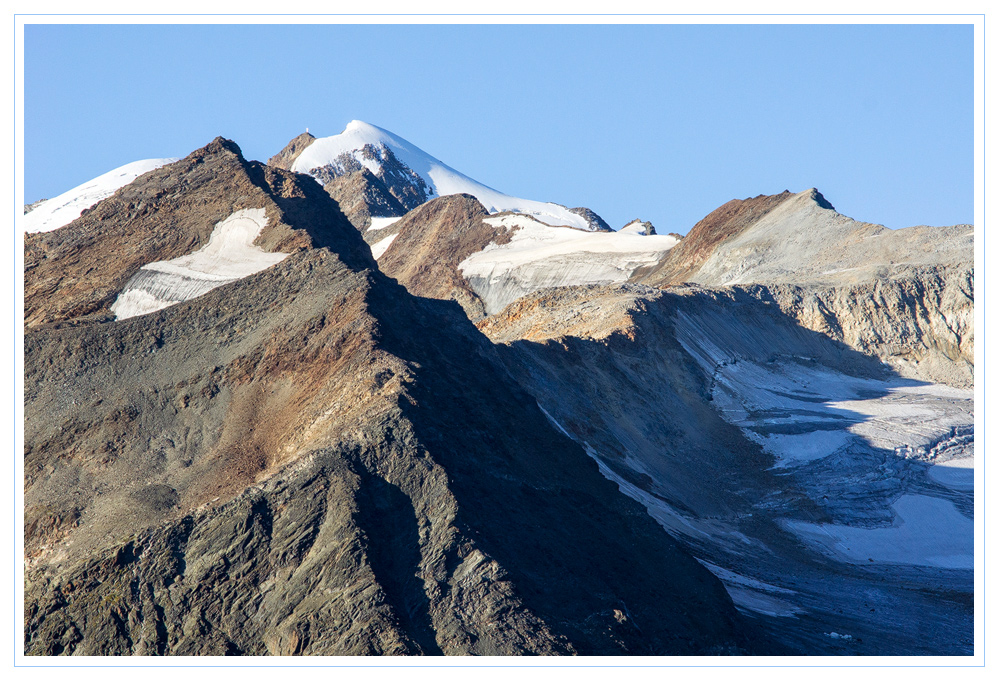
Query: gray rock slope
x,y
312,461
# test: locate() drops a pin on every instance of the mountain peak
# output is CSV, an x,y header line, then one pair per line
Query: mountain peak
x,y
820,200
362,126
413,176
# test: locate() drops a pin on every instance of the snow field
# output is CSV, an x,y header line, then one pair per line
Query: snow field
x,y
229,255
928,532
540,256
381,246
380,223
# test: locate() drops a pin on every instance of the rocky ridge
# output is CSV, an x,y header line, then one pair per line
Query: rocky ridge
x,y
904,296
79,270
286,157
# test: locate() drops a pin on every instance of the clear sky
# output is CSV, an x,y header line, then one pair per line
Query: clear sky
x,y
663,123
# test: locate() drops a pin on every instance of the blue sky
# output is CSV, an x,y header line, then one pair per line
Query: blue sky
x,y
663,123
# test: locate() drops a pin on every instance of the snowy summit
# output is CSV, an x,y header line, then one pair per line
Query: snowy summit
x,y
68,206
396,160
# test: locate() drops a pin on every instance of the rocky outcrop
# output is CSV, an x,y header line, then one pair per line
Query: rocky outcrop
x,y
921,322
595,221
430,242
286,157
79,270
310,460
402,182
641,227
28,208
361,196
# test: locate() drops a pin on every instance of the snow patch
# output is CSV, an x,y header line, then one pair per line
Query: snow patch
x,y
229,255
927,532
539,256
379,248
957,474
381,223
68,206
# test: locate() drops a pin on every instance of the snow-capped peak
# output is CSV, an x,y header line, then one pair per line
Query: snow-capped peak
x,y
68,206
416,173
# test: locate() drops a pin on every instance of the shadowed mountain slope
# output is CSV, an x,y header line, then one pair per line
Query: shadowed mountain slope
x,y
828,493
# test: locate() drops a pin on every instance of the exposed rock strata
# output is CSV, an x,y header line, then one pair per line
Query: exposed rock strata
x,y
922,323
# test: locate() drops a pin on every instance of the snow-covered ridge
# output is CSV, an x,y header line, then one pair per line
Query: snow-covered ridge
x,y
539,256
440,178
229,255
68,206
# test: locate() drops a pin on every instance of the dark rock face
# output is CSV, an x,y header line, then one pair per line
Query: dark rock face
x,y
361,195
595,221
310,460
403,183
